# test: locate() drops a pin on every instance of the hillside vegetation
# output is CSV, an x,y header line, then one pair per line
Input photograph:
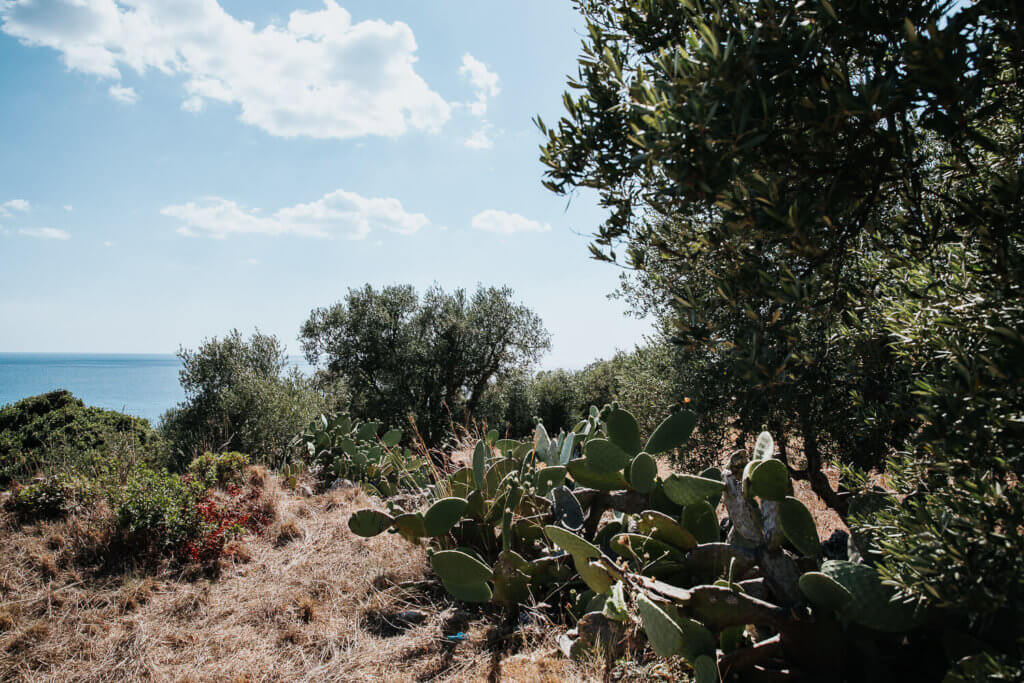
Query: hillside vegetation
x,y
810,472
58,431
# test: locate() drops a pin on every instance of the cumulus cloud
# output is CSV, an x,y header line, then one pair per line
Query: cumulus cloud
x,y
486,84
320,75
123,94
8,208
505,223
339,214
480,139
45,233
483,80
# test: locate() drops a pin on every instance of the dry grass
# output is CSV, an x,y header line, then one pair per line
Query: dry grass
x,y
307,600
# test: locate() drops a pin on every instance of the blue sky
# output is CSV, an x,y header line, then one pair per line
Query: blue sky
x,y
176,168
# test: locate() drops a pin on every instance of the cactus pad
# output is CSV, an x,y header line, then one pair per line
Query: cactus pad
x,y
583,475
462,482
480,454
392,437
463,576
643,473
798,525
687,489
765,446
623,431
548,478
511,578
594,575
604,456
672,433
705,670
571,543
644,549
443,515
495,473
664,633
770,479
823,591
411,525
541,442
715,474
566,508
661,527
368,523
871,605
701,521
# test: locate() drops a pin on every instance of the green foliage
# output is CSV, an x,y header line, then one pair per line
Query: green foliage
x,y
239,397
339,447
218,469
557,404
432,359
158,509
823,206
56,432
50,497
500,532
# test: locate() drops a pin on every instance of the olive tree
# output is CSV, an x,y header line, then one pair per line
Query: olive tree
x,y
431,358
824,200
240,395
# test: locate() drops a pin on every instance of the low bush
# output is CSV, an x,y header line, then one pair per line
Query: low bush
x,y
157,509
56,432
223,517
219,469
50,497
157,513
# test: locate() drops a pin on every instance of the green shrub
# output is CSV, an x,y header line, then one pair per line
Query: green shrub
x,y
50,497
58,432
509,405
240,396
158,509
218,469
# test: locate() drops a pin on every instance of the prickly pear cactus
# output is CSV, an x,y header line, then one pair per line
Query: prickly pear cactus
x,y
583,519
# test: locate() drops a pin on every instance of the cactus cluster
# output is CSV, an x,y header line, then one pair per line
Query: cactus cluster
x,y
339,447
529,523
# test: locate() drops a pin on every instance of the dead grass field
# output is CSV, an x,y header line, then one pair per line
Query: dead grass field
x,y
325,605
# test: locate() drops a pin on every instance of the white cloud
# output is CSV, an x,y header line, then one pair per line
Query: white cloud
x,y
193,104
339,214
485,82
9,207
253,261
45,233
320,75
108,243
502,222
67,207
480,139
123,94
483,79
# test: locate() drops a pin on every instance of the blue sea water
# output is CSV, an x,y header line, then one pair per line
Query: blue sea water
x,y
144,385
138,384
